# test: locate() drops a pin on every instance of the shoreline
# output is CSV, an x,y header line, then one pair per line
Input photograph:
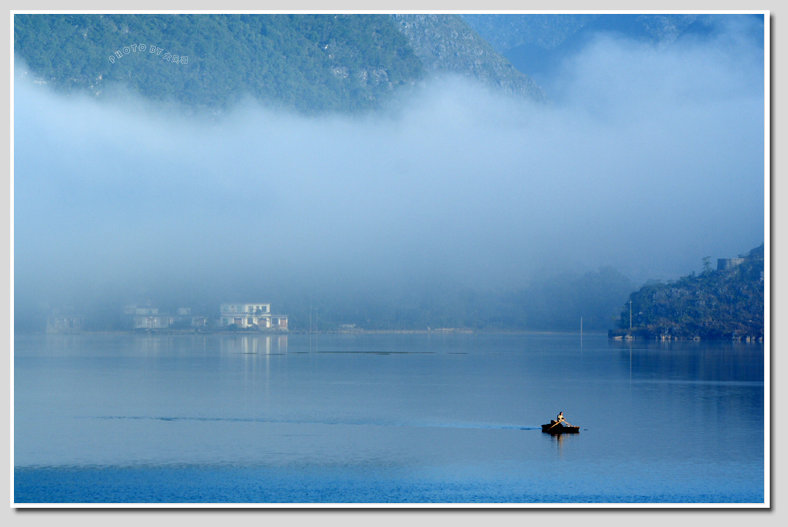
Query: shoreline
x,y
440,332
646,335
612,335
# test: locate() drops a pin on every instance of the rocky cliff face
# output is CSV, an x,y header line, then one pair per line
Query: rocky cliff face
x,y
446,44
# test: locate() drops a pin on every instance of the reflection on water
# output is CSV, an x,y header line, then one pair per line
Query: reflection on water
x,y
695,361
386,417
150,345
559,439
253,344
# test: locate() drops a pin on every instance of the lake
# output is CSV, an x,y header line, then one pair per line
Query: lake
x,y
385,418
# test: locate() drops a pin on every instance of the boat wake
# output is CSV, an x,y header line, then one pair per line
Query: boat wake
x,y
345,422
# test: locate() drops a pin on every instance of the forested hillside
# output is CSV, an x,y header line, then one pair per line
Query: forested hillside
x,y
715,304
312,63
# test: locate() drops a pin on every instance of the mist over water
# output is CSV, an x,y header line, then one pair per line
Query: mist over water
x,y
646,158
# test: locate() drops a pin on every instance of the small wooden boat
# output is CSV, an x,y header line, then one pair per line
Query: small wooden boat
x,y
562,428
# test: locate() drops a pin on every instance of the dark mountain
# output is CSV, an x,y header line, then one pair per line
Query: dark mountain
x,y
717,304
312,63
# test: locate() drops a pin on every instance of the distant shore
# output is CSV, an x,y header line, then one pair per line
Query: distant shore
x,y
439,331
646,334
638,334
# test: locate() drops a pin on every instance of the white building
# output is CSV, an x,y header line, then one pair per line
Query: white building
x,y
250,316
153,321
147,317
64,324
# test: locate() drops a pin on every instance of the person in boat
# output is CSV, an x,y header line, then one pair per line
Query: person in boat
x,y
560,417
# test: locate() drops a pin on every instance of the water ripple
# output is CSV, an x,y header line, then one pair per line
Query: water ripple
x,y
346,422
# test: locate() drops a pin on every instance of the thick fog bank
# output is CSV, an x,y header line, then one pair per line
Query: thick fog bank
x,y
647,159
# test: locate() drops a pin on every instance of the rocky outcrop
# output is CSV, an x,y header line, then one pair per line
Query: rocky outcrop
x,y
446,44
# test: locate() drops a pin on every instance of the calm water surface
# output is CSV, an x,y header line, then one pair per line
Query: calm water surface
x,y
385,419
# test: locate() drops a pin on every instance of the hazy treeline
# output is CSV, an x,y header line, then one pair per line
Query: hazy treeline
x,y
551,302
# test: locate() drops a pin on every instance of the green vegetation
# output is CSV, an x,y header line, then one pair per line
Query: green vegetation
x,y
716,304
307,62
311,63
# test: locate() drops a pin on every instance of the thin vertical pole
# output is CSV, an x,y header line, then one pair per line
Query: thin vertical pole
x,y
630,315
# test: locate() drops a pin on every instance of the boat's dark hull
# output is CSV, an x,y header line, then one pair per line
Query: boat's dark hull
x,y
553,428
